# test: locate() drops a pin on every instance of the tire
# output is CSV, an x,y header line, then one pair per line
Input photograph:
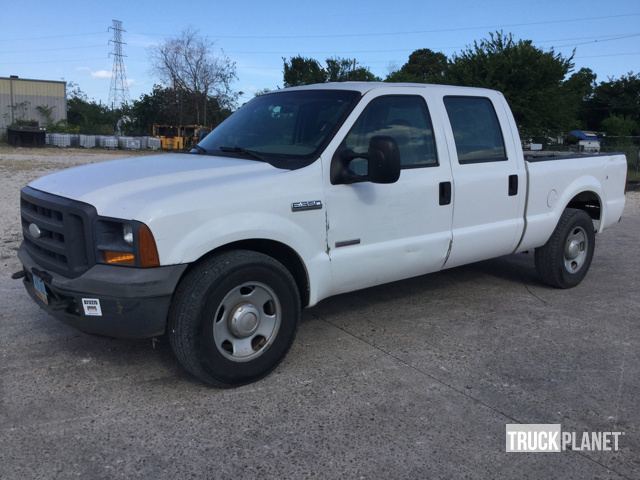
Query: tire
x,y
234,317
564,260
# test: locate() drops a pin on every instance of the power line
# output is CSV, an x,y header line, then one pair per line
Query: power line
x,y
600,39
415,32
51,49
609,55
71,60
51,36
68,60
587,40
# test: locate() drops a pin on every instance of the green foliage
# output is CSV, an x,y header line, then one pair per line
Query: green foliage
x,y
47,113
86,116
577,90
173,107
302,71
305,71
347,70
619,126
530,79
423,66
619,97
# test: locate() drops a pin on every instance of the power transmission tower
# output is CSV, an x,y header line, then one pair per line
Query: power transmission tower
x,y
119,90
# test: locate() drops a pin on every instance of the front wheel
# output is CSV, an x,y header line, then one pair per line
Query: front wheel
x,y
564,260
234,317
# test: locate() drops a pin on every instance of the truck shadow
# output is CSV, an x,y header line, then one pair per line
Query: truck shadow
x,y
515,269
455,284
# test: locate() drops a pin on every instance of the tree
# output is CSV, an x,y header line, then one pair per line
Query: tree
x,y
300,70
577,91
85,115
188,64
531,79
619,126
423,66
165,105
347,70
615,97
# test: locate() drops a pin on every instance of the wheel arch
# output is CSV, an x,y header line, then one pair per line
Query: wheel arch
x,y
588,201
279,251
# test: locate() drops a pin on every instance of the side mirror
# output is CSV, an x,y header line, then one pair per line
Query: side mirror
x,y
382,163
384,160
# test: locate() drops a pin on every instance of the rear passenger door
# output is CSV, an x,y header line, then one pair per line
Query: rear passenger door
x,y
489,183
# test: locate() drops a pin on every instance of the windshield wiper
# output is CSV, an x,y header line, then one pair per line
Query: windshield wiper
x,y
199,149
251,153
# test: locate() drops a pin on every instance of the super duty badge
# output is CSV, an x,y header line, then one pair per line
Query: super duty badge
x,y
309,205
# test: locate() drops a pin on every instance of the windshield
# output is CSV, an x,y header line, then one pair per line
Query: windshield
x,y
287,129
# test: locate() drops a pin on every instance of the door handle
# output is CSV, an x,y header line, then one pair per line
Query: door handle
x,y
445,193
513,185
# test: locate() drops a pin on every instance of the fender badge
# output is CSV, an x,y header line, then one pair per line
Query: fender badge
x,y
309,205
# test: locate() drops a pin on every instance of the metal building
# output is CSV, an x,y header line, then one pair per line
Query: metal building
x,y
21,97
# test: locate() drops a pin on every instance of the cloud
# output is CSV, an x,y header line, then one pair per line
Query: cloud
x,y
101,74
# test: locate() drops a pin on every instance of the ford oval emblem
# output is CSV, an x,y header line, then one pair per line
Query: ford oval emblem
x,y
34,230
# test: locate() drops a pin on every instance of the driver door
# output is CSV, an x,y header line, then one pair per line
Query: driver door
x,y
379,233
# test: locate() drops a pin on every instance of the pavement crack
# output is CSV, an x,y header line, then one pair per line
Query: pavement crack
x,y
420,371
535,295
619,392
464,393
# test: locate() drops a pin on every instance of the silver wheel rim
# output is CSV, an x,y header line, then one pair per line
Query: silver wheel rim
x,y
246,322
575,250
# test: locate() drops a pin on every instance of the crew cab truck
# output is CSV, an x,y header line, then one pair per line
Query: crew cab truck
x,y
302,194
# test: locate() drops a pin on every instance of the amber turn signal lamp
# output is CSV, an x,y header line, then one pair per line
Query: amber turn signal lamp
x,y
147,248
119,258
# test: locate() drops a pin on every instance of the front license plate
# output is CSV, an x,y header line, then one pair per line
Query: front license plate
x,y
41,289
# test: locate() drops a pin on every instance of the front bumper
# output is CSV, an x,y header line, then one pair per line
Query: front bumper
x,y
134,301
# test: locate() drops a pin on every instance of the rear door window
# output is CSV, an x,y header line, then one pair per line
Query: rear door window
x,y
476,129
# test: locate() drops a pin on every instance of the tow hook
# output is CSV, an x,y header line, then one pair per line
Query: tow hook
x,y
18,275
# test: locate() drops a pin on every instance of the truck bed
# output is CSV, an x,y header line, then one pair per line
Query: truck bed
x,y
550,156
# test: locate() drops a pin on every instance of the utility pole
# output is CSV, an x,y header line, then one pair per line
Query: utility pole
x,y
119,89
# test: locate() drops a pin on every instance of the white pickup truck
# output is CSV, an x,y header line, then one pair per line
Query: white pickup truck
x,y
302,194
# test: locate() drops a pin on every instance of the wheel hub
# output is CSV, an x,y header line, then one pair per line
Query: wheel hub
x,y
573,249
576,250
244,320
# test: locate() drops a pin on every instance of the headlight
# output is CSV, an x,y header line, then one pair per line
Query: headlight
x,y
122,242
127,233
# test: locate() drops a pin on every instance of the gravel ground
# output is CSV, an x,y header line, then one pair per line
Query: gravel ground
x,y
415,379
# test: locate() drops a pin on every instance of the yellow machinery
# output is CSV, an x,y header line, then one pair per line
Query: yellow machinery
x,y
179,137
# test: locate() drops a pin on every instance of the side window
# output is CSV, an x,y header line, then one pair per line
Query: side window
x,y
403,117
476,129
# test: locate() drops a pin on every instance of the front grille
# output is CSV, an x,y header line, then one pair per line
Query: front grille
x,y
63,244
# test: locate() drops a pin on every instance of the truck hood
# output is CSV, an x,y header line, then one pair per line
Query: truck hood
x,y
123,187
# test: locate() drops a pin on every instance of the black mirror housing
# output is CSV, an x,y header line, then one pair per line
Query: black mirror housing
x,y
383,163
384,160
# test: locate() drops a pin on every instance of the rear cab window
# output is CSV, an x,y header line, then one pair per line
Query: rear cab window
x,y
476,129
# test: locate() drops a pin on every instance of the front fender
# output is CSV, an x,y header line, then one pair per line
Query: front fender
x,y
307,237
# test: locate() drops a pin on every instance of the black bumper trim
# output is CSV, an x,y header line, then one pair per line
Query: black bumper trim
x,y
134,301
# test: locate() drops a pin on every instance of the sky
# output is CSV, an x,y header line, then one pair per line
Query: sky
x,y
69,40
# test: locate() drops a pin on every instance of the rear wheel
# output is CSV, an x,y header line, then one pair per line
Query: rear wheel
x,y
564,260
234,317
